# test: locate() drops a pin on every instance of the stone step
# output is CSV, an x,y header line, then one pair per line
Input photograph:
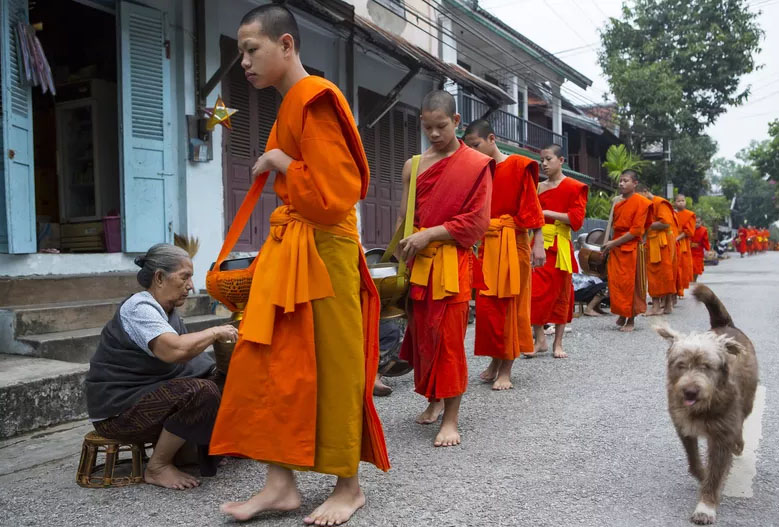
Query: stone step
x,y
33,290
78,345
65,316
36,392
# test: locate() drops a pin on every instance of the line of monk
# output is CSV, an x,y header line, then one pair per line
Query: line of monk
x,y
298,395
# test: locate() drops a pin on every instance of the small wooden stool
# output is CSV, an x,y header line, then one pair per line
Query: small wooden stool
x,y
93,444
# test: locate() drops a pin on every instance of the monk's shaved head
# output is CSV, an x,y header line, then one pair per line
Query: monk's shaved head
x,y
480,127
641,188
633,175
439,100
275,20
556,149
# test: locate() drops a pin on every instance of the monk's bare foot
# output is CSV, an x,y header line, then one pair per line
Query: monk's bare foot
x,y
448,435
627,328
591,313
668,310
653,313
491,372
170,477
431,413
620,321
503,382
345,500
559,353
272,498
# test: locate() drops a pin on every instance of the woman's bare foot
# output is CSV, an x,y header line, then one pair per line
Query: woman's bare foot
x,y
275,496
346,499
448,435
491,372
591,313
169,476
431,413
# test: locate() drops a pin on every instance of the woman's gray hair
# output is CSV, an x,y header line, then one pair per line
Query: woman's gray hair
x,y
161,257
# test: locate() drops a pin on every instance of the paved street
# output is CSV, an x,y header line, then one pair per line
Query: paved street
x,y
584,441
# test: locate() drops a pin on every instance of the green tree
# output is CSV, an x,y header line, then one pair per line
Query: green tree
x,y
599,205
674,65
764,155
690,164
713,212
619,159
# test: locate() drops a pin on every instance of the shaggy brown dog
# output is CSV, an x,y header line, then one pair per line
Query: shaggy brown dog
x,y
712,378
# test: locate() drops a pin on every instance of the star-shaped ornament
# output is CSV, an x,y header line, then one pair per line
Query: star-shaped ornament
x,y
219,114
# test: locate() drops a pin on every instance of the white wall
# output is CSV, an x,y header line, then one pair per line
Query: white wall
x,y
58,264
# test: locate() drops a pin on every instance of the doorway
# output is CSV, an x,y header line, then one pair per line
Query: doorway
x,y
76,137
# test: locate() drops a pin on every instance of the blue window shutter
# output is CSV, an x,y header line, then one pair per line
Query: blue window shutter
x,y
17,176
148,182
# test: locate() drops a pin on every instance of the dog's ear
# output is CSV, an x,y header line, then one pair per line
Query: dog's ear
x,y
665,331
732,346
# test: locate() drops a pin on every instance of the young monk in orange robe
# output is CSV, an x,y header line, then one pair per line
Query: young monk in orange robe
x,y
563,203
661,253
686,220
741,241
454,186
296,394
503,328
627,292
699,243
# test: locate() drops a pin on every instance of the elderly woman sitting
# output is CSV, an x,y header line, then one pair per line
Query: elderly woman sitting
x,y
148,380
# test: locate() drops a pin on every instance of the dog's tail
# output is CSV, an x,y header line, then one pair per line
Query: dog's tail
x,y
718,315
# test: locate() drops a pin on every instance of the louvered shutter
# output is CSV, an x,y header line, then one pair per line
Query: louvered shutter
x,y
149,187
17,180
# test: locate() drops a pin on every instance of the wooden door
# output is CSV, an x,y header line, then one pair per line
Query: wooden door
x,y
393,140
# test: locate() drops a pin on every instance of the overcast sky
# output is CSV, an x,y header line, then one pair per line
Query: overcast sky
x,y
569,28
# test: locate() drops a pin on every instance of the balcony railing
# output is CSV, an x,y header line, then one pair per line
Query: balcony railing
x,y
509,127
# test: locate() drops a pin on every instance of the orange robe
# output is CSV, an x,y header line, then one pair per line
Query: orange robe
x,y
686,220
700,242
503,310
661,250
552,300
741,246
626,292
751,241
299,389
455,192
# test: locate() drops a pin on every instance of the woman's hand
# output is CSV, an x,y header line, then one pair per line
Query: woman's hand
x,y
225,333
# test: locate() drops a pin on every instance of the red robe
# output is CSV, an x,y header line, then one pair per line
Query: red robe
x,y
503,318
552,300
627,294
686,220
700,241
741,245
455,192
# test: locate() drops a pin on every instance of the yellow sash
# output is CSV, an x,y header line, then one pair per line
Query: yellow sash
x,y
562,233
501,260
289,270
441,257
656,241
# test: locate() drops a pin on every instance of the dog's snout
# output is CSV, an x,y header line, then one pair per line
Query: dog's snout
x,y
690,394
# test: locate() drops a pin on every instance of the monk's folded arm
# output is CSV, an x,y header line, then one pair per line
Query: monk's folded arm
x,y
625,238
659,226
326,183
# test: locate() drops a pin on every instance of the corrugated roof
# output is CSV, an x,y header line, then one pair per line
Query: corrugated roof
x,y
409,54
